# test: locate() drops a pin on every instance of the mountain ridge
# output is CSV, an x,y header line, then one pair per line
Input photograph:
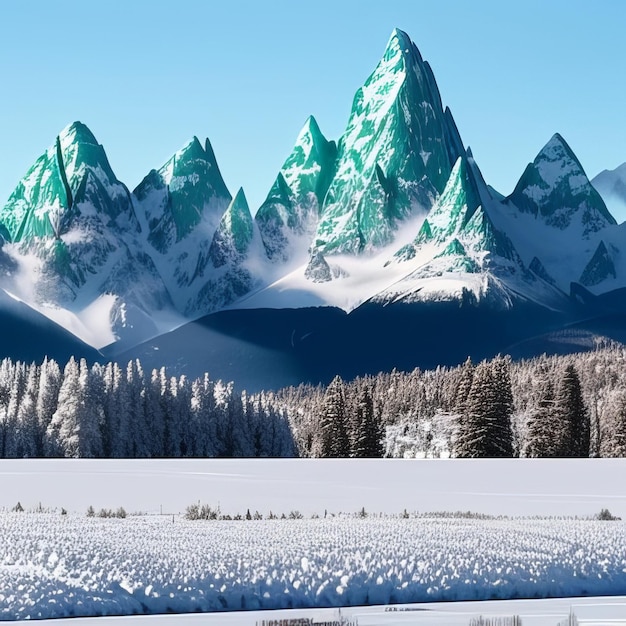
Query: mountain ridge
x,y
395,213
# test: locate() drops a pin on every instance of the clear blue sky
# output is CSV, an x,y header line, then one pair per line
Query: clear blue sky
x,y
146,76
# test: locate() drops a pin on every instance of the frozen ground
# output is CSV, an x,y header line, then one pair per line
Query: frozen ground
x,y
507,486
551,612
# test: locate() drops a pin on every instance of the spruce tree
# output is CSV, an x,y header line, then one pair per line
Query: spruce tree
x,y
138,427
540,426
485,429
74,430
613,443
47,398
366,434
24,438
333,423
572,434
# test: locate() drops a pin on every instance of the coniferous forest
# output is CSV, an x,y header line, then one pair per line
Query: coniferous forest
x,y
569,406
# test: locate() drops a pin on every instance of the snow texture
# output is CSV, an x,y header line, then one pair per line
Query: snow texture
x,y
71,565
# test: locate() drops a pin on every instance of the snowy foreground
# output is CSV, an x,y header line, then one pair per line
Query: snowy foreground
x,y
552,612
61,566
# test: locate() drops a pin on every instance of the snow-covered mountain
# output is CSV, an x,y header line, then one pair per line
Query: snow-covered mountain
x,y
289,216
71,237
395,216
611,185
394,157
179,207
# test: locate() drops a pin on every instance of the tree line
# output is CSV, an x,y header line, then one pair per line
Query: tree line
x,y
571,406
108,411
549,406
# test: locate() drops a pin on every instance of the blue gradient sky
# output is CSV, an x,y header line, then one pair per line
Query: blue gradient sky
x,y
147,76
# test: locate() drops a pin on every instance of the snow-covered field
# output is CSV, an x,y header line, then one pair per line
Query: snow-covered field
x,y
54,565
514,487
553,612
108,565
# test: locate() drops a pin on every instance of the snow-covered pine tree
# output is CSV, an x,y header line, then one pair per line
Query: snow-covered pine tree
x,y
240,418
461,394
16,393
366,436
183,401
203,426
613,440
540,424
47,398
333,423
73,431
116,437
458,412
6,381
24,438
572,434
173,419
154,415
501,368
138,426
92,415
485,430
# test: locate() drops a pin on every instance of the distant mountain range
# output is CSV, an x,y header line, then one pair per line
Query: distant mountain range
x,y
384,249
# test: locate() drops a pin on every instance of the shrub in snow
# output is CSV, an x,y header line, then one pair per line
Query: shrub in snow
x,y
606,515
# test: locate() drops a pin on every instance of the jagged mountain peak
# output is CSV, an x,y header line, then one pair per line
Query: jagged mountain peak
x,y
77,132
311,149
187,190
555,187
401,47
394,158
239,205
192,150
71,179
454,208
558,150
311,127
289,215
234,233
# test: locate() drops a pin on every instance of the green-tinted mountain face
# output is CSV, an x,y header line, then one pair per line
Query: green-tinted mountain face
x,y
236,257
72,178
458,235
74,221
234,233
555,187
183,192
454,208
292,208
395,156
450,215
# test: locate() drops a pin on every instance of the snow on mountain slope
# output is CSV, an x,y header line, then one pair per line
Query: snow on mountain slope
x,y
462,256
555,187
237,258
557,220
396,212
458,254
611,185
289,216
354,280
72,237
179,207
394,158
